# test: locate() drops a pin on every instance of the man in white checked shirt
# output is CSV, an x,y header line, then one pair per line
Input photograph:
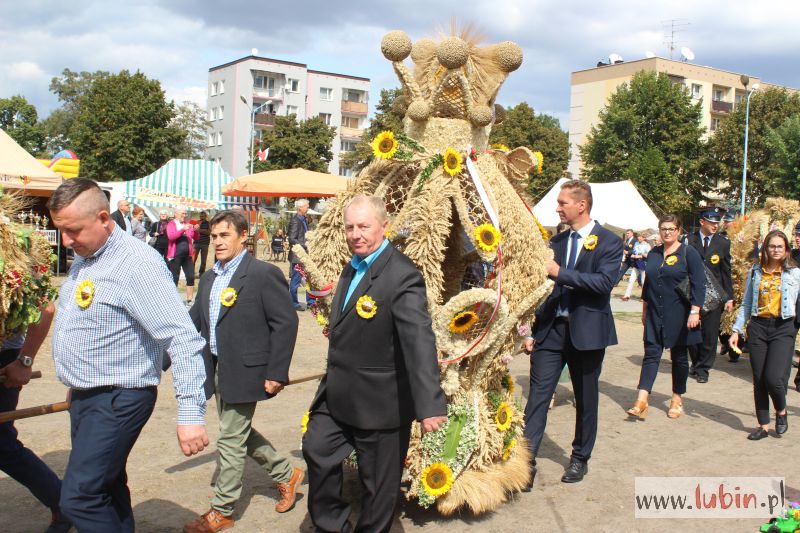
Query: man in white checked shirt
x,y
108,343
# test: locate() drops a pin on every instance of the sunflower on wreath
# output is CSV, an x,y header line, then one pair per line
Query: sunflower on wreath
x,y
487,237
384,145
452,161
463,321
503,416
437,479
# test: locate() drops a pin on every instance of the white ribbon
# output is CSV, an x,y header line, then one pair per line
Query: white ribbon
x,y
476,179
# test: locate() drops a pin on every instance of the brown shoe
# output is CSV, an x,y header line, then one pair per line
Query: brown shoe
x,y
211,522
288,491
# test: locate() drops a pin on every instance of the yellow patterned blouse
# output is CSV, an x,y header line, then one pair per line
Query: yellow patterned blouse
x,y
769,295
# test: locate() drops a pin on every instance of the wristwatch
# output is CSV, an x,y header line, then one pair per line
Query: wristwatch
x,y
25,360
693,312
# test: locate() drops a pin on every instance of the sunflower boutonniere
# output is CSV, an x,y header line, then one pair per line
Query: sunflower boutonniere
x,y
228,297
590,242
671,260
714,259
366,307
84,293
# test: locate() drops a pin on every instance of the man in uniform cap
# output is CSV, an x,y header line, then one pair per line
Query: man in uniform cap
x,y
716,253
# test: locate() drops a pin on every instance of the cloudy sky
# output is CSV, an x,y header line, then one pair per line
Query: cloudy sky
x,y
176,41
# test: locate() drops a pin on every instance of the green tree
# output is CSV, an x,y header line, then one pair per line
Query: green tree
x,y
385,119
296,144
122,130
769,108
192,119
784,142
650,133
543,133
70,87
21,121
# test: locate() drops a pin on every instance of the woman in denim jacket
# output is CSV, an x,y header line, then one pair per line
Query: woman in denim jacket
x,y
770,303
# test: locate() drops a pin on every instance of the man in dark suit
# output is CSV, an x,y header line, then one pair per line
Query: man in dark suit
x,y
122,216
298,227
627,250
242,311
574,325
382,374
716,253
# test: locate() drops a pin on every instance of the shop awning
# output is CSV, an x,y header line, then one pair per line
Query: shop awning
x,y
291,183
20,171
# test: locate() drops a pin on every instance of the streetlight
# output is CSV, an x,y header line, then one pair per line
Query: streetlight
x,y
253,112
745,80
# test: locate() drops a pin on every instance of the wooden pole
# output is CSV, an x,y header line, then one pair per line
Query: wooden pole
x,y
306,378
10,416
34,375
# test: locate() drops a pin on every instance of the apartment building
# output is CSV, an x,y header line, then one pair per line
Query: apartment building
x,y
719,91
258,89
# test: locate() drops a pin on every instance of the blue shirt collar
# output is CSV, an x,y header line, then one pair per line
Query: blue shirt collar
x,y
365,263
232,264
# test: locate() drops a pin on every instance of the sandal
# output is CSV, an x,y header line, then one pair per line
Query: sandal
x,y
639,409
675,409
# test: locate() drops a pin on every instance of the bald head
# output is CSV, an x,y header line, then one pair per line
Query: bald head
x,y
374,203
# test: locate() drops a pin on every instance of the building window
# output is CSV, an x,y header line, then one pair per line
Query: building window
x,y
291,110
719,94
714,124
219,138
326,118
348,146
351,96
697,90
219,112
350,122
222,87
345,171
210,114
293,85
211,138
326,93
214,88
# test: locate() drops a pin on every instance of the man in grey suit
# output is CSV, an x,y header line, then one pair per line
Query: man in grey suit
x,y
298,227
242,311
382,374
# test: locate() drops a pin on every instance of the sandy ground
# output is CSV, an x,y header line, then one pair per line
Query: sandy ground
x,y
709,440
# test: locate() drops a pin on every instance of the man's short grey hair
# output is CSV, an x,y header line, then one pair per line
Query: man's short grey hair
x,y
301,202
376,202
69,191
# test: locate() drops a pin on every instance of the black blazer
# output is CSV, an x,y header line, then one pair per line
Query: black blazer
x,y
667,311
296,235
627,247
119,219
255,336
717,258
591,282
382,372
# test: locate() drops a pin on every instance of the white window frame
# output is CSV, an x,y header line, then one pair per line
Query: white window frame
x,y
292,85
214,88
322,96
697,90
326,118
219,112
721,94
211,139
715,124
292,110
219,138
221,86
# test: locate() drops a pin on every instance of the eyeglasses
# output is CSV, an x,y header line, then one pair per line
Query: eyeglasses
x,y
668,230
776,247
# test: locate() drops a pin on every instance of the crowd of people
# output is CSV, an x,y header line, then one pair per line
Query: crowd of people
x,y
110,346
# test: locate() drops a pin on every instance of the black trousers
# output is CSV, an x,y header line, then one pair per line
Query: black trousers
x,y
652,356
703,355
771,349
381,453
201,252
547,362
182,261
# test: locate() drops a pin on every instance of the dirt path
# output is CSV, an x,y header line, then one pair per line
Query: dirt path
x,y
710,440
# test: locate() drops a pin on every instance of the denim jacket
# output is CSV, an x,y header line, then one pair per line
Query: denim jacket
x,y
790,287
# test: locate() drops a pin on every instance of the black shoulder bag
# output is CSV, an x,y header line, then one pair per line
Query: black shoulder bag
x,y
714,294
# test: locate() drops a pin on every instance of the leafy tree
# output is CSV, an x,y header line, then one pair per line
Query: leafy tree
x,y
70,87
122,130
20,120
193,120
785,162
523,127
650,133
296,144
385,119
769,108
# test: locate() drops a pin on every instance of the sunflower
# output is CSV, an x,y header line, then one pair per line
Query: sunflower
x,y
463,321
671,260
437,479
321,320
304,421
228,297
366,307
384,146
487,237
590,242
538,160
508,383
508,448
714,259
500,146
84,293
503,416
452,161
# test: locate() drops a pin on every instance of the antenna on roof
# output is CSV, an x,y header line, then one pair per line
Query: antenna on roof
x,y
687,54
254,51
671,29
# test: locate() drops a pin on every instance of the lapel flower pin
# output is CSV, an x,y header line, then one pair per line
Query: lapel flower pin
x,y
671,260
714,259
228,297
590,242
84,293
366,307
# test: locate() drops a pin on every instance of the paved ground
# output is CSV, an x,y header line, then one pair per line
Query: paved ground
x,y
710,440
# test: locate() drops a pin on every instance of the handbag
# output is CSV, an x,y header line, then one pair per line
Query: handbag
x,y
152,241
714,294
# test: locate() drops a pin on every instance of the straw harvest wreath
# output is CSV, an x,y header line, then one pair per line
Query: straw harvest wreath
x,y
456,210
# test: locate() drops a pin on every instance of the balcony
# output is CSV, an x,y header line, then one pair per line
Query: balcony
x,y
718,106
354,108
267,94
264,119
350,133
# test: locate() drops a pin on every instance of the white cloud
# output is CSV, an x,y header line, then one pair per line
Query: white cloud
x,y
25,70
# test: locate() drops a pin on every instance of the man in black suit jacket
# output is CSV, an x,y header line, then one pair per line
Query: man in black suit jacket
x,y
716,253
122,216
243,312
298,226
574,325
382,374
627,249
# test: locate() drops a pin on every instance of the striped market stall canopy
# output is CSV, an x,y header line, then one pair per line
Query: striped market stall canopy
x,y
192,183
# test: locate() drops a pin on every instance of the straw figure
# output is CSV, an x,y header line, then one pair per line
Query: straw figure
x,y
25,259
456,210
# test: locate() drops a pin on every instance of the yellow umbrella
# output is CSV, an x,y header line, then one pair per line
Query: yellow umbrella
x,y
290,182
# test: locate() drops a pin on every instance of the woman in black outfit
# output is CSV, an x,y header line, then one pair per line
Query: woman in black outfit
x,y
158,229
669,321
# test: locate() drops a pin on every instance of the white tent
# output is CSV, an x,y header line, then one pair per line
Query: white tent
x,y
21,171
616,204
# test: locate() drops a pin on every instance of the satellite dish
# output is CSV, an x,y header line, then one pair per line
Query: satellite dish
x,y
254,52
613,59
649,54
687,54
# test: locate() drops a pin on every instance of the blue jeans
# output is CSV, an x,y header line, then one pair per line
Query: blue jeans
x,y
294,282
105,423
18,461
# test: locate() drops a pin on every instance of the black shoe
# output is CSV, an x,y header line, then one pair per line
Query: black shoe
x,y
528,486
575,471
733,358
758,434
693,372
781,423
702,379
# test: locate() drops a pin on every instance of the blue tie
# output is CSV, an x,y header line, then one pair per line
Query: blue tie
x,y
573,253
